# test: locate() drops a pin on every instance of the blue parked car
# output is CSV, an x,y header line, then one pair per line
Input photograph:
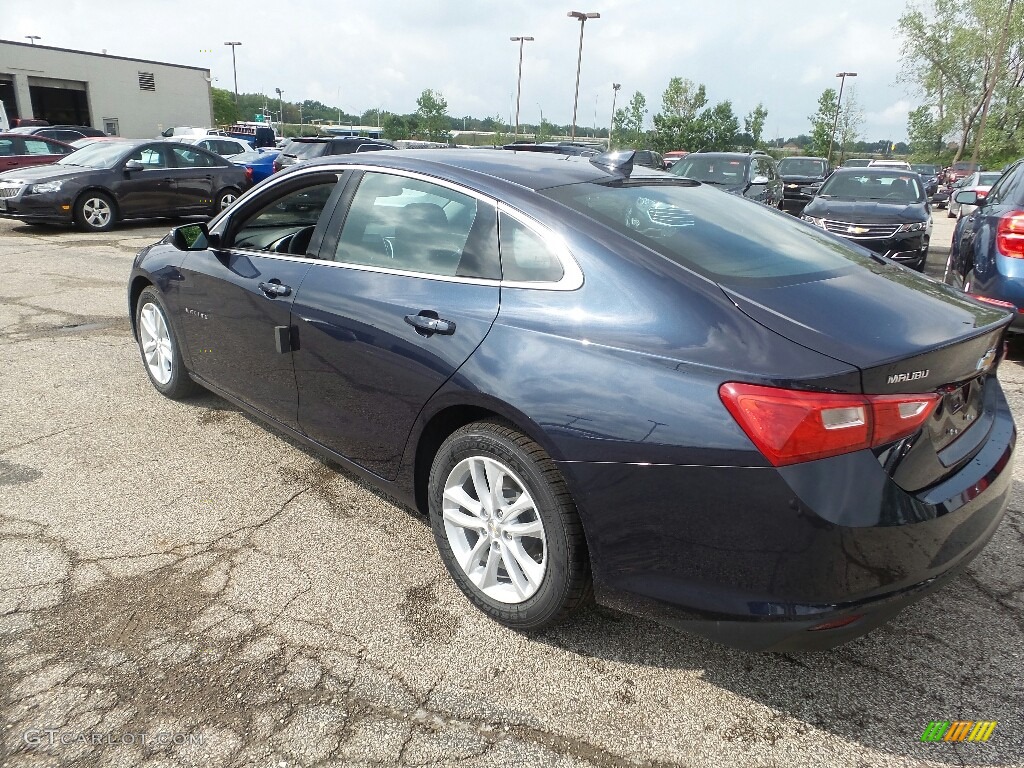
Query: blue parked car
x,y
986,257
596,378
259,162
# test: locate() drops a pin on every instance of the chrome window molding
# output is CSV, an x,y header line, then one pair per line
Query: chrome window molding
x,y
572,275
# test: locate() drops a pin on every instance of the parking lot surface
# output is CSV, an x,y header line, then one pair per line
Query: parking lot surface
x,y
181,586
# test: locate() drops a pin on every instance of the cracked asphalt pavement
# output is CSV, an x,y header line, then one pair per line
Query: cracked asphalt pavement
x,y
181,586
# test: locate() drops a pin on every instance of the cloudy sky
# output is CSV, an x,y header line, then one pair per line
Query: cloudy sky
x,y
383,53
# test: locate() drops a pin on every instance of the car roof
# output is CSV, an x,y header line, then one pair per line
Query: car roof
x,y
802,157
532,170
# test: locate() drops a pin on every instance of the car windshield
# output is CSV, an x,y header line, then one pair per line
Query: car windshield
x,y
801,166
100,154
987,179
890,187
712,169
857,162
925,170
966,167
699,228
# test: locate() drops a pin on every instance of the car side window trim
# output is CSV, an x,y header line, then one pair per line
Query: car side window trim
x,y
572,275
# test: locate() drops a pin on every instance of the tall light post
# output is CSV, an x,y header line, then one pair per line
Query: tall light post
x,y
611,125
839,103
32,38
582,16
280,104
519,80
234,67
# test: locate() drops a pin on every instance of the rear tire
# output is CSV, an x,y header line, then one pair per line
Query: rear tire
x,y
506,527
224,198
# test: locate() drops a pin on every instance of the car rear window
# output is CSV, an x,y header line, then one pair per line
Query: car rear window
x,y
725,238
306,149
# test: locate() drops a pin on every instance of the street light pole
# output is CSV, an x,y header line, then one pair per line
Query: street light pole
x,y
839,103
32,38
234,67
519,80
280,104
611,125
582,16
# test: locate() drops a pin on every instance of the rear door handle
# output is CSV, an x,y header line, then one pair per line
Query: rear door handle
x,y
428,326
273,290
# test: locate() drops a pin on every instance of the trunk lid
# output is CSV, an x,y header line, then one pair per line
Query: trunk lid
x,y
906,334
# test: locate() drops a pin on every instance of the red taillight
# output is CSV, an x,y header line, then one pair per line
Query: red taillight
x,y
981,193
789,426
1010,234
995,302
248,174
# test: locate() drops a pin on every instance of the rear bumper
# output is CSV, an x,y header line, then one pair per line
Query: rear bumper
x,y
756,558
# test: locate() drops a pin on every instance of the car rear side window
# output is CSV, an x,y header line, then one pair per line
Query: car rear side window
x,y
6,147
396,222
525,257
40,147
725,238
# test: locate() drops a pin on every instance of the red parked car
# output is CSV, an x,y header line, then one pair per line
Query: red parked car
x,y
18,150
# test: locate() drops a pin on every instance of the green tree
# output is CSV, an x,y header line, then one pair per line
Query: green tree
x,y
628,123
822,122
851,118
395,128
721,126
925,137
432,110
963,58
753,123
224,110
678,125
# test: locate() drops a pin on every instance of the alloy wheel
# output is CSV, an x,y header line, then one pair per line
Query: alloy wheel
x,y
97,212
156,343
494,529
227,199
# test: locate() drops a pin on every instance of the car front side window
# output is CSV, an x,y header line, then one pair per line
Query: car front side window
x,y
286,223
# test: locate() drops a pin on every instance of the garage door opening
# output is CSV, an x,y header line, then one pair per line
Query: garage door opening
x,y
7,97
60,106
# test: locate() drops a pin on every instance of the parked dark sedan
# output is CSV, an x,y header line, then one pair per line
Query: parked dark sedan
x,y
801,177
986,257
752,175
590,374
108,181
884,210
311,147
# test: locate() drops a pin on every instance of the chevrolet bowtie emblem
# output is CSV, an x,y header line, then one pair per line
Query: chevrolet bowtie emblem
x,y
856,230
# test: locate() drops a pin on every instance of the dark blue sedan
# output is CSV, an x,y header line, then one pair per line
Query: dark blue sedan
x,y
599,379
986,257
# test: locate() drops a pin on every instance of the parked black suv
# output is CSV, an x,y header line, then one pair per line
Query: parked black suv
x,y
309,147
801,175
752,175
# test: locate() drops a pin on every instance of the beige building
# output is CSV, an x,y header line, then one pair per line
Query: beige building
x,y
124,97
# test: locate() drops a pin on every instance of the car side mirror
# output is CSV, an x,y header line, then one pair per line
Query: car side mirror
x,y
134,165
759,181
193,237
968,197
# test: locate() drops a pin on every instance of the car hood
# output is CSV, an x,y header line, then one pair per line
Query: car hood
x,y
868,316
46,172
866,211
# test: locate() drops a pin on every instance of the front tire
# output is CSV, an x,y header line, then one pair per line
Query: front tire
x,y
158,344
506,527
95,212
